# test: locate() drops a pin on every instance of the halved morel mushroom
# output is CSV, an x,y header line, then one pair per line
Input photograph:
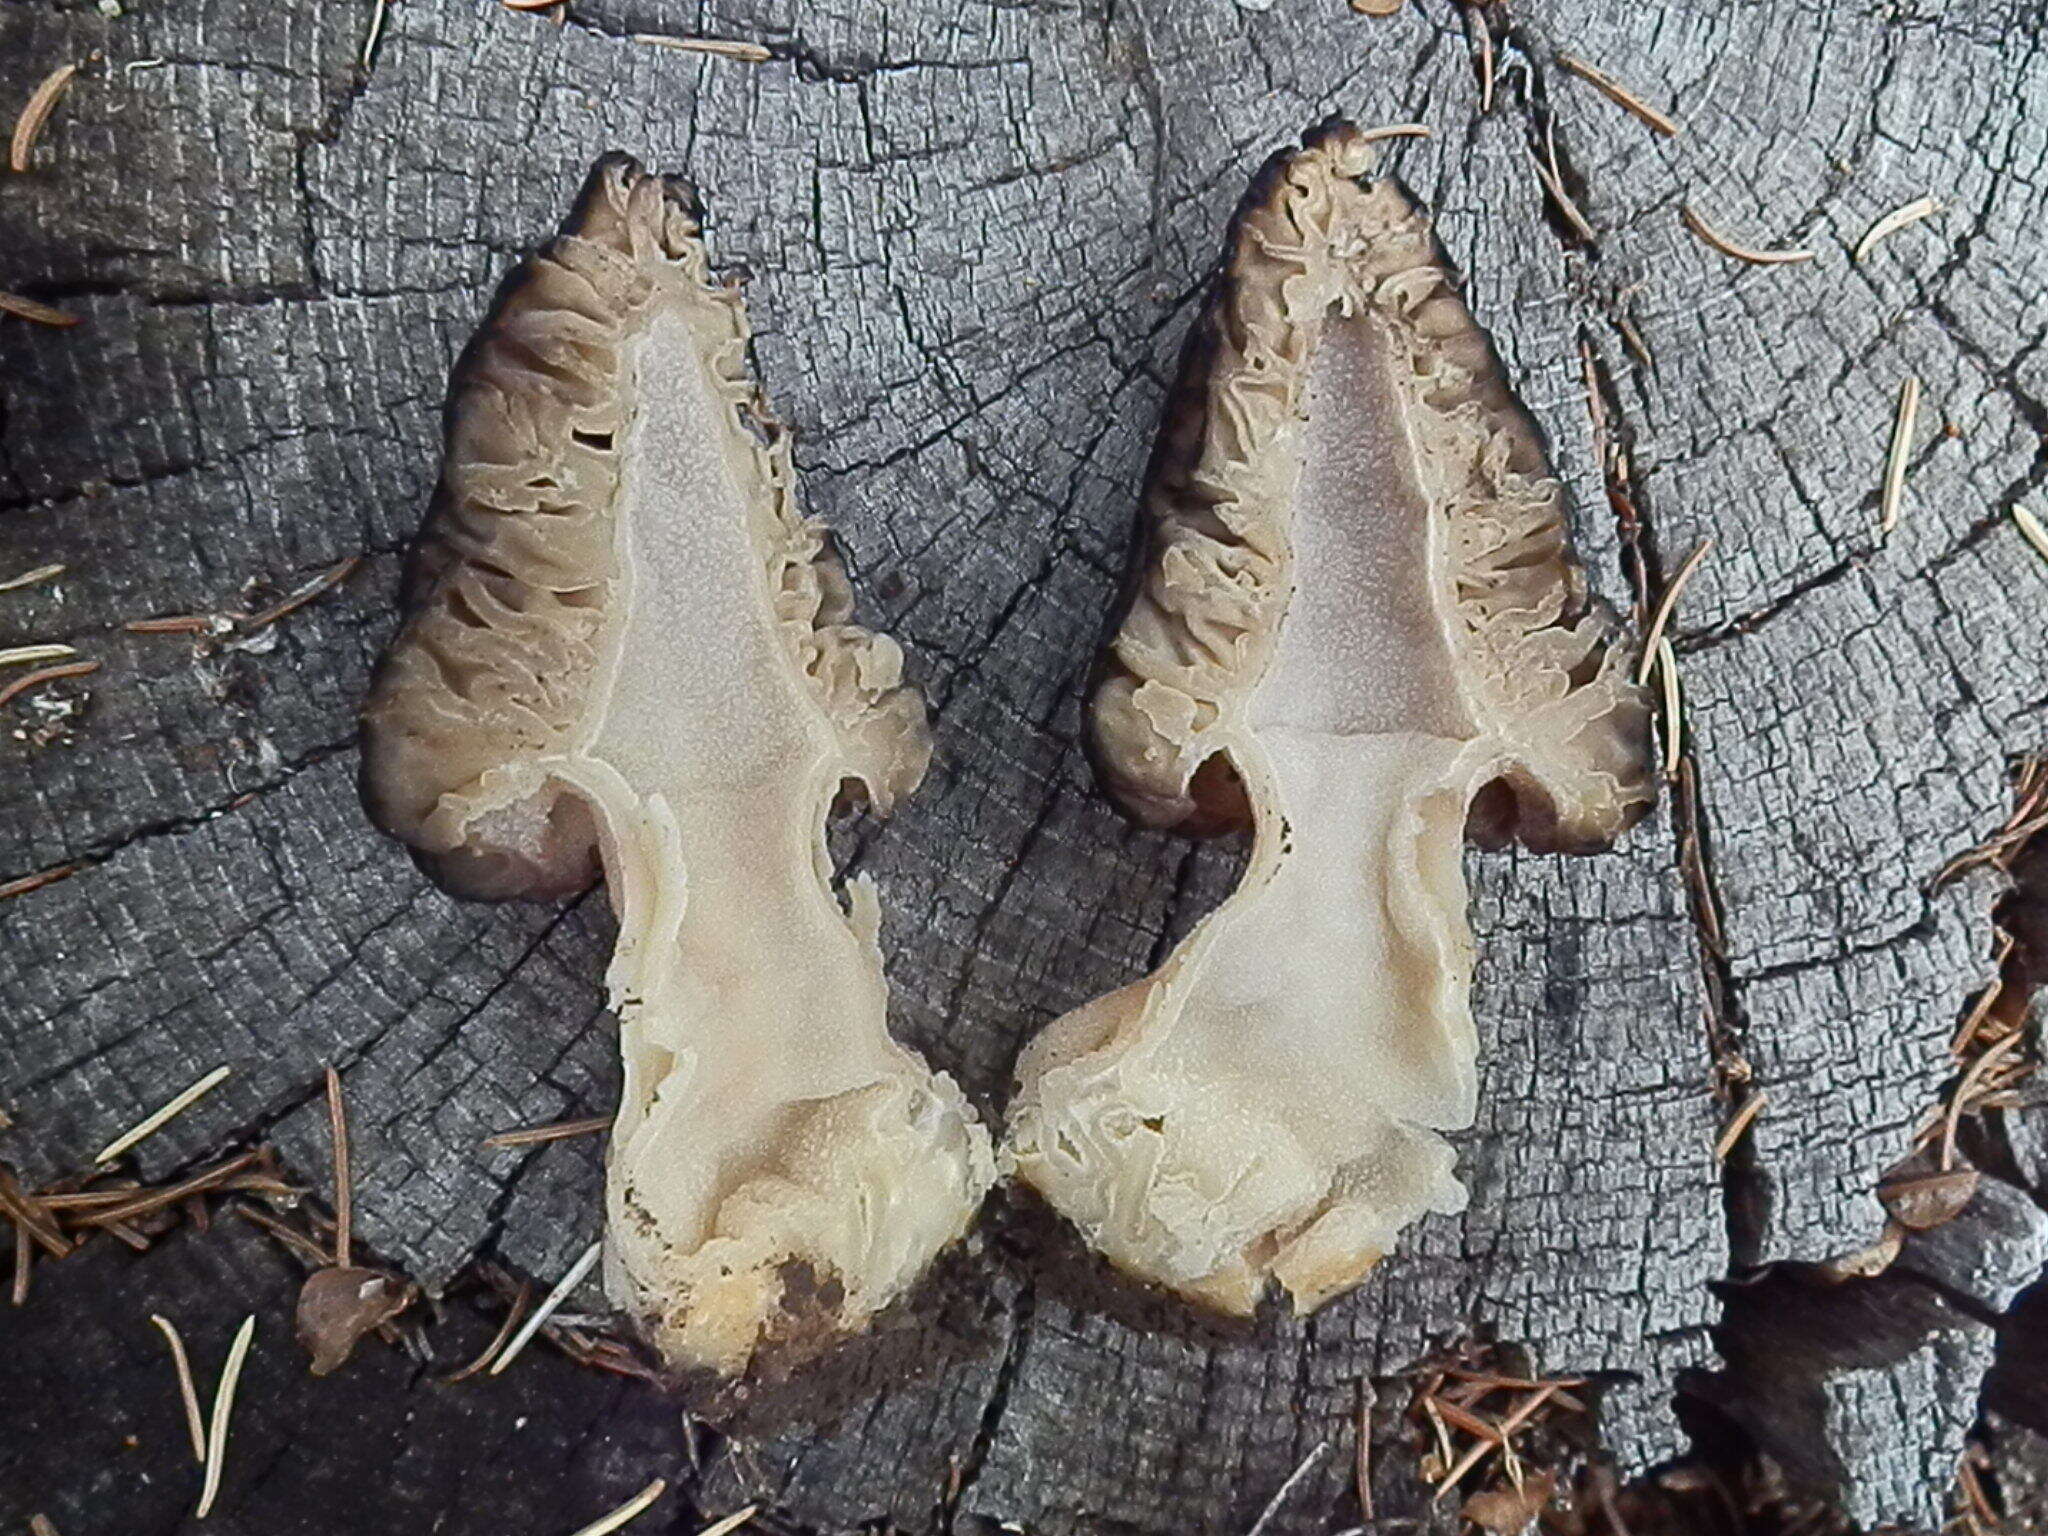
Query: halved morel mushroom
x,y
627,647
1360,630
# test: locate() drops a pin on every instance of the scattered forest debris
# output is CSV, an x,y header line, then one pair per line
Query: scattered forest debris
x,y
632,1509
559,1131
21,655
29,309
41,103
2028,817
585,1262
30,578
2030,529
1720,242
247,623
1896,456
1457,1396
158,1119
342,1302
223,1406
20,685
1744,1117
1511,1510
722,47
188,1391
1908,213
1619,94
1654,636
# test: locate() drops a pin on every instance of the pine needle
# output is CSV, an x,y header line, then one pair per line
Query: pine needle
x,y
1727,247
1674,718
29,126
30,578
2030,529
731,1522
1619,94
20,655
1395,131
29,309
156,1122
583,1265
1741,1121
722,47
1896,456
1665,604
632,1509
559,1131
337,1124
1908,213
223,1405
43,675
187,1390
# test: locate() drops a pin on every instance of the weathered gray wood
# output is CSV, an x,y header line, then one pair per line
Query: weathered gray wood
x,y
975,237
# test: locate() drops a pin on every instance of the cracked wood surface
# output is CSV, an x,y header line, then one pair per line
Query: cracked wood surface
x,y
973,238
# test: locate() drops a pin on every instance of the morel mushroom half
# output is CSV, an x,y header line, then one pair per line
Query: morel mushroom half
x,y
1359,629
626,646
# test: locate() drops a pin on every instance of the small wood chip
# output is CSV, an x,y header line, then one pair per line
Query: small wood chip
x,y
1619,94
1908,213
29,126
36,679
1741,1121
21,655
30,578
1720,242
731,1522
223,1405
155,1122
723,47
559,1131
2030,529
29,309
187,1390
1903,422
632,1509
1665,604
1377,7
585,1262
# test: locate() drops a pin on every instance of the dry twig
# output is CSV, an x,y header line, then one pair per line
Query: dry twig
x,y
1739,1122
1720,242
1619,94
29,126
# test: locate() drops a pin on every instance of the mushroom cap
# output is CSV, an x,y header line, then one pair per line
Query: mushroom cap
x,y
1542,664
